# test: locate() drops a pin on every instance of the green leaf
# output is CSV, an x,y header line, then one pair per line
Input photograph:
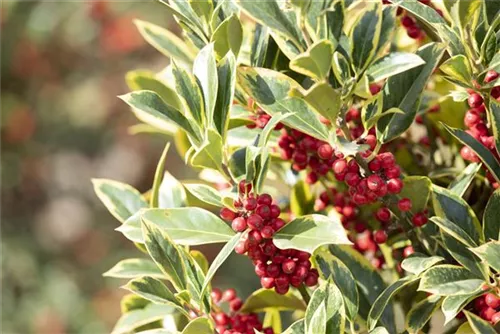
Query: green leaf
x,y
188,18
328,297
317,322
307,233
270,89
489,253
226,74
388,27
132,320
171,193
205,193
301,199
458,68
445,280
132,268
455,209
365,36
151,109
228,36
200,259
270,14
264,299
272,319
316,61
186,226
454,230
190,93
379,330
205,70
154,290
165,41
463,255
403,91
341,68
195,278
491,228
452,305
146,80
417,263
120,199
479,149
198,325
269,128
155,190
392,64
210,154
418,189
382,301
421,313
478,325
325,100
219,259
459,95
259,46
464,179
368,280
132,302
296,328
494,116
165,254
331,267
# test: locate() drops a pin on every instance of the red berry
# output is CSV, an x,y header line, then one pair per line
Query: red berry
x,y
311,280
492,300
273,270
241,247
264,211
339,166
407,21
374,182
264,199
296,281
278,223
288,266
255,222
235,304
250,204
325,151
387,160
392,172
414,32
404,204
352,179
282,290
216,295
471,118
229,295
487,313
394,186
408,251
221,319
239,224
375,164
282,280
419,219
260,269
267,232
490,76
245,187
227,214
311,178
267,282
468,154
275,211
380,236
475,100
254,237
495,318
374,89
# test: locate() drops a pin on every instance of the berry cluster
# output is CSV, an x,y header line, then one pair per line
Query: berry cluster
x,y
487,306
234,322
476,121
306,151
413,29
276,268
259,118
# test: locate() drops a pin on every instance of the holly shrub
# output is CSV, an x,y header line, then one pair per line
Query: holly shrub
x,y
332,155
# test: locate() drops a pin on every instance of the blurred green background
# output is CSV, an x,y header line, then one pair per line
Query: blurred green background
x,y
62,66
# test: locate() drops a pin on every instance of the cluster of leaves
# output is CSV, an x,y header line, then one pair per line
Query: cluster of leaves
x,y
306,64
